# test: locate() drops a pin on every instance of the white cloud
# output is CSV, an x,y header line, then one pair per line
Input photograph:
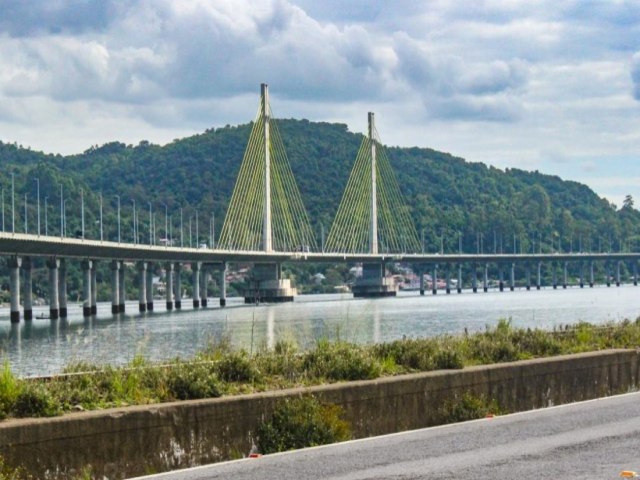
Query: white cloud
x,y
506,82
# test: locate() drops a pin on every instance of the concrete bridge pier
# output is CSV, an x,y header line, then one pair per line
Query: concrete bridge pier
x,y
512,283
223,284
564,275
500,278
195,270
115,289
635,273
14,286
168,275
27,289
485,279
448,280
474,279
149,288
459,278
434,279
528,276
374,282
607,271
94,288
204,283
539,279
617,275
421,276
142,291
554,274
177,285
591,277
582,274
62,288
86,287
122,293
54,309
267,285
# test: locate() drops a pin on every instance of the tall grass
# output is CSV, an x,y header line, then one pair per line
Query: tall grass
x,y
221,370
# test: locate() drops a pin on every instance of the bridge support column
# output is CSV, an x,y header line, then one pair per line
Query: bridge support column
x,y
168,281
591,277
500,278
421,275
27,289
115,287
54,309
554,268
512,283
434,280
459,278
528,276
223,284
142,291
86,287
635,273
14,286
122,293
94,288
374,282
564,278
448,280
204,281
539,280
474,279
485,279
195,270
617,277
62,288
149,288
607,272
177,285
582,273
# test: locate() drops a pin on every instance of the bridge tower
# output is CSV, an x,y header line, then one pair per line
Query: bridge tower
x,y
372,217
266,212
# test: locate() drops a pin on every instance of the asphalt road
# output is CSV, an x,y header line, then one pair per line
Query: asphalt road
x,y
595,439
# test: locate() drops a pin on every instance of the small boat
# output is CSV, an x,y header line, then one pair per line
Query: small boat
x,y
43,316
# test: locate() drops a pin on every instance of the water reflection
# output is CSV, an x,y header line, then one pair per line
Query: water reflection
x,y
45,346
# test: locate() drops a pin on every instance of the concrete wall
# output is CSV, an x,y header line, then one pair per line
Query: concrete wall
x,y
132,441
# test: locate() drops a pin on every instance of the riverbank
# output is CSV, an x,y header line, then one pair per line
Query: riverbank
x,y
221,370
122,442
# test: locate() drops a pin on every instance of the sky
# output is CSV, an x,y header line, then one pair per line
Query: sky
x,y
549,85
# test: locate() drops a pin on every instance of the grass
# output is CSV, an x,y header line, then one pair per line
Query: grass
x,y
221,370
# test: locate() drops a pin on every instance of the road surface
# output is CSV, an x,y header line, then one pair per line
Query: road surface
x,y
595,439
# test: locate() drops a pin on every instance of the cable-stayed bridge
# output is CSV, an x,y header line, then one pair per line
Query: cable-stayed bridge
x,y
266,224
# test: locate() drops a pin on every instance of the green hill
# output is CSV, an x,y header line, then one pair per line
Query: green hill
x,y
446,194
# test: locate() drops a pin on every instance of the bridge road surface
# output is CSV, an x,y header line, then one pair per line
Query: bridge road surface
x,y
588,440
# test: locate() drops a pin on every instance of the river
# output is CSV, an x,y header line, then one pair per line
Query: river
x,y
44,347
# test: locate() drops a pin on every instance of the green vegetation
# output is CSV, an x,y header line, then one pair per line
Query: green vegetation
x,y
469,407
221,370
302,422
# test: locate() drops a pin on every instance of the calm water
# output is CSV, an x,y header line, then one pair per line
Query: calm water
x,y
43,346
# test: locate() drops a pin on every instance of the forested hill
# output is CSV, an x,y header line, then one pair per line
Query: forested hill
x,y
445,194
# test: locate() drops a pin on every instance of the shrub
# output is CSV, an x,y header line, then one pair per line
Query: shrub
x,y
302,422
237,367
10,388
189,382
468,407
340,361
34,400
10,473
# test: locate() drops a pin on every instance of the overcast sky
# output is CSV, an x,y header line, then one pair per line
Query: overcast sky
x,y
549,85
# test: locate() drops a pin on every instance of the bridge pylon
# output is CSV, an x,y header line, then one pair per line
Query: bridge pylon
x,y
266,212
